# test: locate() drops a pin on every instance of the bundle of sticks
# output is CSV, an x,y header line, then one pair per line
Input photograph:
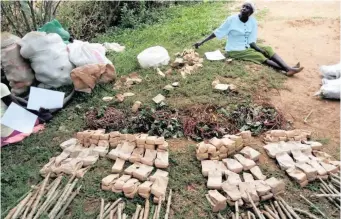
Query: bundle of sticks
x,y
50,198
276,209
115,209
331,190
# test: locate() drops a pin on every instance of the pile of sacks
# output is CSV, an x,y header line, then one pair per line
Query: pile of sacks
x,y
187,62
303,162
144,152
290,135
254,182
331,82
218,149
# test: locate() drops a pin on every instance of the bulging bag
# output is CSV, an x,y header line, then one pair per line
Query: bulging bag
x,y
17,71
331,71
153,57
84,53
49,58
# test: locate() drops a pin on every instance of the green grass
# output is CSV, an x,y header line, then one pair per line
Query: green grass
x,y
185,26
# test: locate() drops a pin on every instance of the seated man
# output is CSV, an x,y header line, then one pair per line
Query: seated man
x,y
241,31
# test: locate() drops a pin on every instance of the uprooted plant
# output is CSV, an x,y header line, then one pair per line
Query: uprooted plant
x,y
198,122
163,122
257,118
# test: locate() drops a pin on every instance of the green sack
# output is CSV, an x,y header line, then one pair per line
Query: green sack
x,y
55,27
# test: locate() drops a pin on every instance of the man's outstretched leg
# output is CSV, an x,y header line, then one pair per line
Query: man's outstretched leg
x,y
290,70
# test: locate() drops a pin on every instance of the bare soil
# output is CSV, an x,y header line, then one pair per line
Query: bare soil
x,y
308,32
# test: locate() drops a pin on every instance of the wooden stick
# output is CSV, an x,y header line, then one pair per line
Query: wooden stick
x,y
333,201
124,216
59,204
252,215
137,211
289,208
16,202
119,211
107,206
326,195
106,212
306,118
159,207
59,199
335,181
267,214
305,213
337,177
112,214
168,204
21,205
287,213
49,196
236,207
274,209
11,213
141,213
312,205
267,208
114,207
54,199
146,209
333,188
41,192
254,207
280,212
69,200
220,216
325,184
102,209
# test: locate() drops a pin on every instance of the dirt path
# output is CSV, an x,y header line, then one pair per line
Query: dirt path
x,y
309,32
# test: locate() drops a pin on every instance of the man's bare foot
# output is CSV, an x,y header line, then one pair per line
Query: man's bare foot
x,y
293,71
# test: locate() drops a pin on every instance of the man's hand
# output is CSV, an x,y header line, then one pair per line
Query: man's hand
x,y
196,45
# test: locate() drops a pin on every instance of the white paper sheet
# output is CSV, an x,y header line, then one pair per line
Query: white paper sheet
x,y
214,56
19,118
43,98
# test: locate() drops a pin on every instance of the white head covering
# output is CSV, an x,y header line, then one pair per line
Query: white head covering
x,y
252,4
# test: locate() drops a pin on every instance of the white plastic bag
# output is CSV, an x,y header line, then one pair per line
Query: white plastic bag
x,y
153,57
331,71
330,89
84,53
17,71
49,58
113,47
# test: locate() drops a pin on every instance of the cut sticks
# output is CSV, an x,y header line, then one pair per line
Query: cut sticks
x,y
256,210
146,209
69,200
41,192
327,195
280,212
236,206
290,210
137,212
305,213
168,204
267,208
102,209
313,205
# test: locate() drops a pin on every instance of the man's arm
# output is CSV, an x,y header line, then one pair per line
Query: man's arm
x,y
255,47
212,36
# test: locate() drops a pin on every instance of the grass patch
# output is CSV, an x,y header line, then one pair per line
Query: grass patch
x,y
183,27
